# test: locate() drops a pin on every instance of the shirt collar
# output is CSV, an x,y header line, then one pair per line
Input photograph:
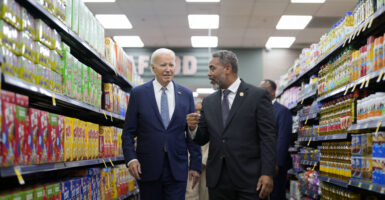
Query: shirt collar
x,y
234,86
274,100
158,86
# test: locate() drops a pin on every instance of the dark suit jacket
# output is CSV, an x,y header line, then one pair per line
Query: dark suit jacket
x,y
143,121
284,124
248,141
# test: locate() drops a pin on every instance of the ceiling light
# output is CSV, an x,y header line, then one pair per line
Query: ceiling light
x,y
98,1
204,41
203,1
205,90
203,21
114,21
129,41
308,1
279,42
195,94
293,21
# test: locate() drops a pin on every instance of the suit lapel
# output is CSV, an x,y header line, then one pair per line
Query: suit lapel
x,y
177,96
238,100
151,94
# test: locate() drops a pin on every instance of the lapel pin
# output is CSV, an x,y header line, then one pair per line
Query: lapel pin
x,y
179,92
241,94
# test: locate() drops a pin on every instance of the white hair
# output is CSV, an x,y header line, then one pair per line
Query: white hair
x,y
161,51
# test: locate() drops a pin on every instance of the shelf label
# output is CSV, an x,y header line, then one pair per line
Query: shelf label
x,y
362,85
328,180
307,118
308,143
302,100
53,99
345,41
18,174
346,91
380,76
378,127
112,164
354,87
105,165
111,117
315,164
359,184
370,187
367,82
104,114
371,21
382,191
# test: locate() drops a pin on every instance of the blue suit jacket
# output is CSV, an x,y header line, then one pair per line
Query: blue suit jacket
x,y
143,121
284,124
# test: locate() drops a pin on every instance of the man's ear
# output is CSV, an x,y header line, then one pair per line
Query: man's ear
x,y
228,68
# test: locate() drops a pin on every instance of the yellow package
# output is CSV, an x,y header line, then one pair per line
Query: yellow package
x,y
10,11
9,37
27,47
87,127
114,182
68,138
10,66
27,69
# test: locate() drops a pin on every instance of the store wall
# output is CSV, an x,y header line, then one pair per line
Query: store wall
x,y
276,62
250,65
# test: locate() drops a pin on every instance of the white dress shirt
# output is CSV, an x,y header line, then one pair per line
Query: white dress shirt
x,y
170,96
231,96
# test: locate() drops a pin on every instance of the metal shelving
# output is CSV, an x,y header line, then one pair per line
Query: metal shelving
x,y
334,181
129,194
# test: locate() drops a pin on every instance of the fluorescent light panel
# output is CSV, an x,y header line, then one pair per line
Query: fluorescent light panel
x,y
203,1
129,41
204,41
293,21
114,21
308,1
279,42
195,94
204,90
98,1
203,21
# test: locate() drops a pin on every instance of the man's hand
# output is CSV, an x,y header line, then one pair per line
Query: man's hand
x,y
194,177
192,120
264,186
134,169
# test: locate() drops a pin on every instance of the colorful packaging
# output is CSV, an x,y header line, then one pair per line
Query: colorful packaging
x,y
42,146
59,140
27,70
108,97
8,133
39,193
32,136
44,34
44,55
27,47
66,190
11,64
29,26
9,37
52,136
49,192
60,9
68,138
11,12
21,128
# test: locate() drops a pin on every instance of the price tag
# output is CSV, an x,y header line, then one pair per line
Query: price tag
x,y
328,180
315,164
367,82
111,117
104,114
382,191
370,187
308,143
18,174
302,100
359,184
346,91
307,118
345,41
53,99
350,38
371,21
354,87
358,127
105,165
112,164
378,127
362,85
380,76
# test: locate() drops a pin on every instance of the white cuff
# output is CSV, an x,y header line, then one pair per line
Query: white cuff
x,y
128,164
193,133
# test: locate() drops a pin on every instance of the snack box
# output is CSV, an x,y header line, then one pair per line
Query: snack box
x,y
52,135
32,138
8,133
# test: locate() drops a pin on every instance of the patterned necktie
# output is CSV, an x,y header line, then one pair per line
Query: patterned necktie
x,y
164,108
225,106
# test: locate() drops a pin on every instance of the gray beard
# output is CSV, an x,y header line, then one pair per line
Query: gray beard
x,y
216,86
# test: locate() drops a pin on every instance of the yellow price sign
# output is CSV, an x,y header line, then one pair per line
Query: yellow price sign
x,y
354,87
380,76
359,184
309,142
18,174
53,99
112,164
302,100
307,118
315,164
362,85
105,165
367,82
382,191
378,126
111,117
104,114
371,21
370,187
346,91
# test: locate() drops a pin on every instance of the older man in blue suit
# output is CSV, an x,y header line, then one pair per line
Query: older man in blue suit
x,y
284,124
156,115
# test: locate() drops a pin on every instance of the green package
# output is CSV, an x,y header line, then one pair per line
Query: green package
x,y
75,16
49,188
17,196
81,22
56,189
28,195
39,193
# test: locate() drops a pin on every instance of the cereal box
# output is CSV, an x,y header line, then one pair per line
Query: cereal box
x,y
7,156
56,192
20,134
39,193
52,135
68,138
59,140
7,96
66,192
42,146
49,192
22,100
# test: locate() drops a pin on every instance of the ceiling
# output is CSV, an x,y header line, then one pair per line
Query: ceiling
x,y
243,23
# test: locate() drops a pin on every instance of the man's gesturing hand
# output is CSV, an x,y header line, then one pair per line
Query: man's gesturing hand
x,y
194,177
264,186
192,120
134,169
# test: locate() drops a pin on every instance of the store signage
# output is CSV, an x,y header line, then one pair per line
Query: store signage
x,y
185,65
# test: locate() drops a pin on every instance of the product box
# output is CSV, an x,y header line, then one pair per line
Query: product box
x,y
8,133
7,96
59,140
66,190
67,71
44,55
32,136
9,37
60,9
44,34
85,84
76,188
52,136
68,138
10,11
56,191
27,47
11,64
75,16
27,70
108,97
49,192
29,26
28,195
68,13
21,100
21,128
75,139
42,147
39,193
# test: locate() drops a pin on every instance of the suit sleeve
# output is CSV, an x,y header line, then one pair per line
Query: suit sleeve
x,y
194,149
130,129
267,134
285,123
202,134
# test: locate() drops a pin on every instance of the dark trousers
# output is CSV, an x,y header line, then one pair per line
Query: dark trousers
x,y
166,188
279,191
226,190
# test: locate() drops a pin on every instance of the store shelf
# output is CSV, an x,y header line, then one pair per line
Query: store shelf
x,y
310,194
307,138
340,136
129,194
368,186
30,169
334,181
308,162
293,106
308,117
376,18
78,46
368,125
61,100
308,96
293,149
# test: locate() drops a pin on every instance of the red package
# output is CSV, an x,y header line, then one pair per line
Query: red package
x,y
7,96
22,100
51,138
32,136
42,143
21,127
8,134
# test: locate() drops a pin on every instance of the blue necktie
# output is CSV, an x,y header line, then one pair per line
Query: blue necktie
x,y
225,106
164,108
